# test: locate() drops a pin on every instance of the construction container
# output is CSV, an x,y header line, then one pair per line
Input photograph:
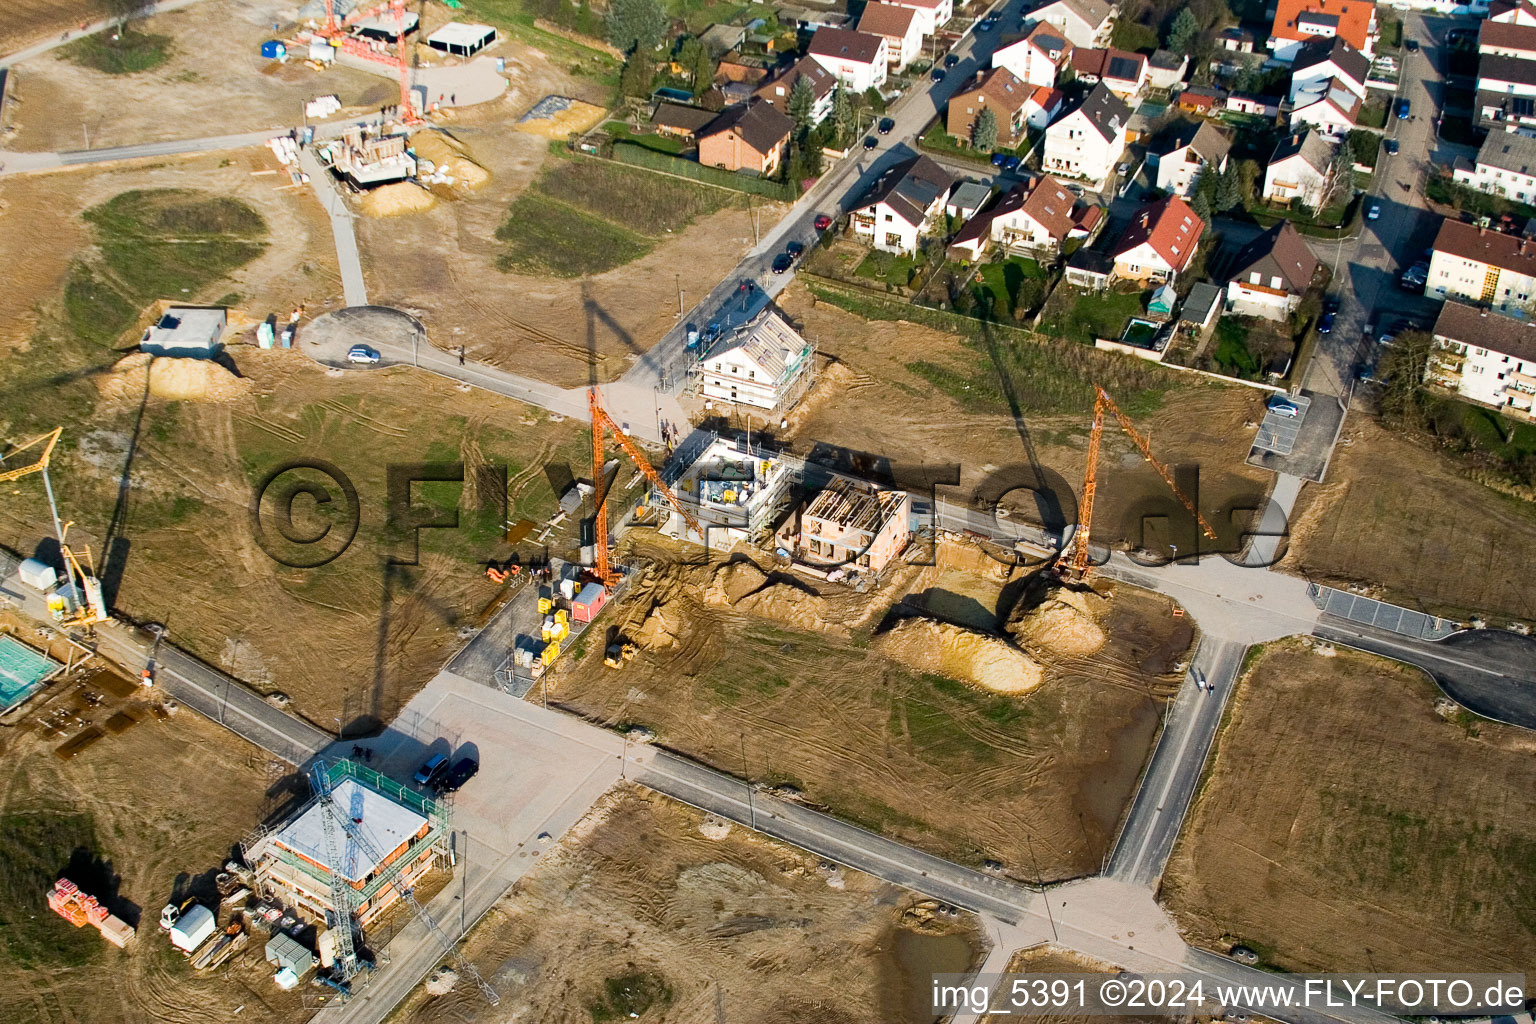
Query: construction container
x,y
37,575
284,951
586,605
567,588
192,929
273,49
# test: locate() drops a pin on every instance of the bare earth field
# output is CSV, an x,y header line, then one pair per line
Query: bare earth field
x,y
1346,826
1408,523
32,21
804,693
872,402
154,806
1048,960
640,900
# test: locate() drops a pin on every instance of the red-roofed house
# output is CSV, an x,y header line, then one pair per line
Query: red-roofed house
x,y
1038,58
1042,106
857,59
996,90
1123,73
1159,242
1297,21
931,14
898,27
1031,220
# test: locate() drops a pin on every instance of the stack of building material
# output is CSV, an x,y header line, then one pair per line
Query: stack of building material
x,y
74,906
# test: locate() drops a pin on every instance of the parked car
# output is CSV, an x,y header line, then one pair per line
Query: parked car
x,y
998,159
1011,163
988,23
1325,323
1392,146
870,142
794,250
462,771
950,60
1330,304
1403,110
1282,406
823,222
433,767
362,354
1412,45
938,74
886,124
1372,209
1367,373
782,262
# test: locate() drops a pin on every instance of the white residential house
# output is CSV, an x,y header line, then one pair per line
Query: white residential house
x,y
1185,155
822,82
1042,106
1159,242
1483,266
1328,58
1033,220
1506,93
1038,58
898,27
763,363
1298,169
1271,274
932,15
1507,39
1333,110
1124,73
857,59
1088,140
902,204
1166,69
1485,356
1505,166
1083,22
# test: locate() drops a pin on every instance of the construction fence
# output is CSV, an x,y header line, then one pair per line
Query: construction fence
x,y
640,156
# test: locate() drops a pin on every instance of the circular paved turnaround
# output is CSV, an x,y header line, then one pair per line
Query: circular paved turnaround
x,y
386,330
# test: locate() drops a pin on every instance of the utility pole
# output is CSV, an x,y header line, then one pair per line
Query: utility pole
x,y
747,774
679,279
87,132
1040,882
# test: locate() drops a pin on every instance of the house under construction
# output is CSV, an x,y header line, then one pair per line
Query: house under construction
x,y
850,523
366,160
406,835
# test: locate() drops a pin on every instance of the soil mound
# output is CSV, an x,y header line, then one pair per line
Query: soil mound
x,y
745,587
735,581
963,654
185,380
1064,625
397,200
449,160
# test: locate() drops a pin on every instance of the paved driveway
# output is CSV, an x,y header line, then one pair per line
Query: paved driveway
x,y
1299,446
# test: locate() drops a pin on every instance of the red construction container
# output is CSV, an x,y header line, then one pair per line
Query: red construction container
x,y
586,605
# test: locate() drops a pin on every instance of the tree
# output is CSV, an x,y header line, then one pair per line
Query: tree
x,y
984,131
1201,205
1229,188
121,11
636,24
694,58
802,97
1182,31
635,79
1338,181
842,115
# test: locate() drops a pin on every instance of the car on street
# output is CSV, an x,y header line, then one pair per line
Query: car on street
x,y
1392,146
462,771
794,250
1011,163
1325,323
431,769
1282,406
998,159
1330,304
823,221
951,60
870,142
363,355
987,24
782,262
1367,373
1123,170
886,124
1413,45
938,74
1372,209
1403,110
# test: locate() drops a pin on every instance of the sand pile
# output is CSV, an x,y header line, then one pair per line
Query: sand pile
x,y
445,160
962,654
745,587
559,117
1064,625
399,199
186,380
661,626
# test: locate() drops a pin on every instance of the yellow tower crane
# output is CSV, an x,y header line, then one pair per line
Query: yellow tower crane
x,y
93,608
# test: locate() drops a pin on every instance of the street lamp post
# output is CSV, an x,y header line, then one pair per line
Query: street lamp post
x,y
747,774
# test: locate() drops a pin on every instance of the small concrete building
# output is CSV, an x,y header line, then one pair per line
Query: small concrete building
x,y
850,523
462,40
186,331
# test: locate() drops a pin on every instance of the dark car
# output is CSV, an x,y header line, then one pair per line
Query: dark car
x,y
938,74
870,142
1402,110
431,770
886,124
1413,45
1011,163
794,250
462,771
987,24
998,159
823,222
782,262
1331,304
1325,323
1392,146
950,60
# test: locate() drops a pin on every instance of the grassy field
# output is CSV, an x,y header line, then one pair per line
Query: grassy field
x,y
1345,826
34,849
156,244
128,52
587,216
1083,316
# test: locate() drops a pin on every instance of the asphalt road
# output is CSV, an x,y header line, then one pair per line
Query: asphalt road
x,y
1168,786
1491,672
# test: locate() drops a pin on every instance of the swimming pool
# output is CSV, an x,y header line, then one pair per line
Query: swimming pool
x,y
23,671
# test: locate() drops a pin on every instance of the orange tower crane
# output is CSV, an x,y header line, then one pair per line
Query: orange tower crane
x,y
1074,565
335,29
601,419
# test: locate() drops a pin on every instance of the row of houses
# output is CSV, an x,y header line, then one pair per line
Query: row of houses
x,y
1506,67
